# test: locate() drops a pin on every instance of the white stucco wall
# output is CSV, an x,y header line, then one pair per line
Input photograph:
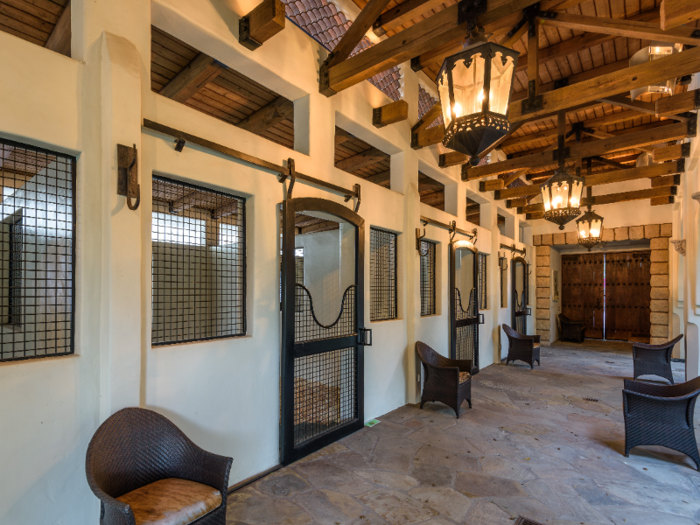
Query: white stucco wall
x,y
223,393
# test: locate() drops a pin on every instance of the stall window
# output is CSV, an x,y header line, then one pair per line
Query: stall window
x,y
382,274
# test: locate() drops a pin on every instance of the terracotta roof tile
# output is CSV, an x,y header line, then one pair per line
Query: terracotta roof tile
x,y
425,102
322,21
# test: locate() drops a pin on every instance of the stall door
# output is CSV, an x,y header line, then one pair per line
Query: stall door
x,y
519,284
582,299
322,318
628,296
464,304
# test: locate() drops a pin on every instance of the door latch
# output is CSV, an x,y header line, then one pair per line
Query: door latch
x,y
481,318
364,337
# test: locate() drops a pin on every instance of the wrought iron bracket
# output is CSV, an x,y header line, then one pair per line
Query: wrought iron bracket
x,y
502,261
533,102
292,174
419,238
514,250
244,37
469,11
453,231
692,127
562,82
364,337
358,193
695,34
128,175
530,13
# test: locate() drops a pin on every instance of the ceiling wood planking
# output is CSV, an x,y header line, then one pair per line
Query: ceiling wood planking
x,y
227,95
609,84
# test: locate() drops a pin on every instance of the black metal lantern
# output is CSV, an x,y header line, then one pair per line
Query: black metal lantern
x,y
561,196
474,87
590,229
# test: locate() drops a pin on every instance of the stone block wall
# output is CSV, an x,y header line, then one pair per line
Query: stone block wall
x,y
658,235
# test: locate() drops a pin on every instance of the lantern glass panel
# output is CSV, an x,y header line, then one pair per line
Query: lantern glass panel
x,y
501,82
444,92
546,198
583,230
596,228
468,86
575,199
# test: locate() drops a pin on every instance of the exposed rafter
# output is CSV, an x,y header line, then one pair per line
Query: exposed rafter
x,y
193,77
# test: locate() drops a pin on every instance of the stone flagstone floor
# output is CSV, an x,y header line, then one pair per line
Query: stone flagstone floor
x,y
545,444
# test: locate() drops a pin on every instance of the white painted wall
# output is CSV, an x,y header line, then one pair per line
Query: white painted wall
x,y
223,393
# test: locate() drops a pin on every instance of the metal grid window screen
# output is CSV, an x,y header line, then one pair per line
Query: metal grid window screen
x,y
198,264
427,278
382,274
483,291
37,252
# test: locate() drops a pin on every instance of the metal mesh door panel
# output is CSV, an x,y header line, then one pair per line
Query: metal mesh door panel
x,y
483,290
324,392
306,325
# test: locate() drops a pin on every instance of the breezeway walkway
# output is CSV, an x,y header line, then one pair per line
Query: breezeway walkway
x,y
544,444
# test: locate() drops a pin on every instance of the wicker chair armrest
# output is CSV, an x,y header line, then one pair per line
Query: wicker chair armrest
x,y
575,323
535,338
444,373
521,337
464,365
211,469
115,512
663,346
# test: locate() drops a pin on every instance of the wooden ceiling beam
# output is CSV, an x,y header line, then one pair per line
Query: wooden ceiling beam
x,y
261,24
491,185
369,14
453,158
574,79
427,137
684,102
626,175
685,63
268,116
663,182
676,151
361,160
675,13
435,31
402,13
390,114
612,198
193,77
599,122
619,27
60,38
669,132
380,178
342,136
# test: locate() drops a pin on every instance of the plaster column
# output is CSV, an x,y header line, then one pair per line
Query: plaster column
x,y
404,179
112,38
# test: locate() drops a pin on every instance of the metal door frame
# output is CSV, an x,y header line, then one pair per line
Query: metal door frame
x,y
478,318
290,349
514,292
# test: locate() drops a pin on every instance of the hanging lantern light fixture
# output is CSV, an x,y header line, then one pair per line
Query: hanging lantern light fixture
x,y
590,229
561,194
474,87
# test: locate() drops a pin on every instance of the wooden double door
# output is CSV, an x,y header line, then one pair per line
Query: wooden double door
x,y
610,292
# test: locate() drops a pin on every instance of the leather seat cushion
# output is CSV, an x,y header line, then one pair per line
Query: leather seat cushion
x,y
171,501
464,377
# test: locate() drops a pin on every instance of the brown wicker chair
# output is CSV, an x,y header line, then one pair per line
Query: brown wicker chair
x,y
446,380
654,359
570,330
661,415
138,457
522,347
